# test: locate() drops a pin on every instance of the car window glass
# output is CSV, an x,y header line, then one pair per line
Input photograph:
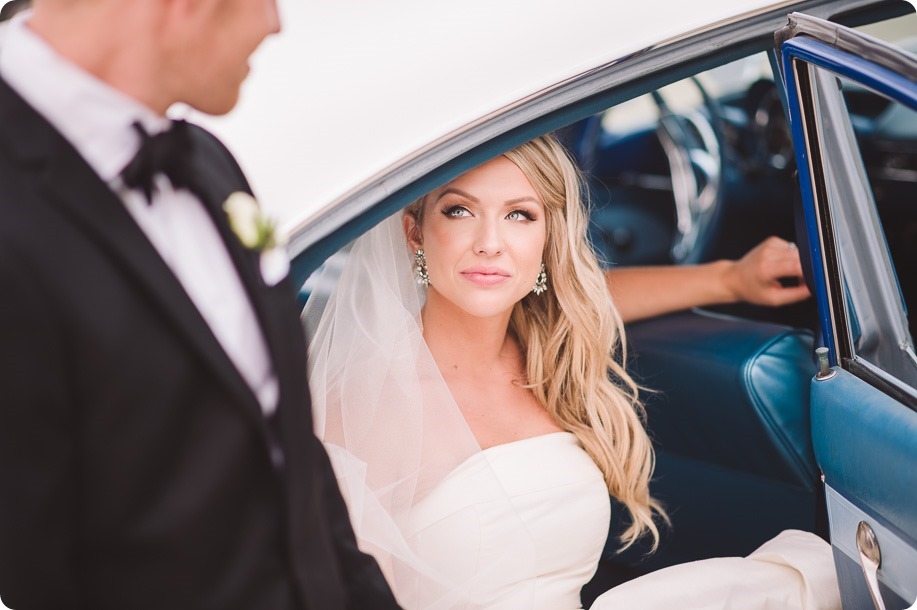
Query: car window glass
x,y
699,170
729,82
736,77
900,31
868,146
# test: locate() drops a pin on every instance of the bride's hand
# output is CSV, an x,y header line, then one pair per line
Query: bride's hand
x,y
756,277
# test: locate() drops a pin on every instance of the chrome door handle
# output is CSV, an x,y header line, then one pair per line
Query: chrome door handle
x,y
870,559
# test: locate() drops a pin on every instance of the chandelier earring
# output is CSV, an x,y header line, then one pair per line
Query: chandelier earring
x,y
541,283
420,267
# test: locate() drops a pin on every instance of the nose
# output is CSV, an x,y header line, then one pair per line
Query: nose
x,y
489,240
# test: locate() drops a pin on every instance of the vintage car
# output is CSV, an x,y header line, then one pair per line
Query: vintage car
x,y
702,130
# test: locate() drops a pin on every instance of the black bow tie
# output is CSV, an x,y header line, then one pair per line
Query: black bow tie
x,y
168,153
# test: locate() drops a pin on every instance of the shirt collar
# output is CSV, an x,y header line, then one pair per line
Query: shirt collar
x,y
95,117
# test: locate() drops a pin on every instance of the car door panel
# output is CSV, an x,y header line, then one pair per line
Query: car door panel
x,y
865,445
864,426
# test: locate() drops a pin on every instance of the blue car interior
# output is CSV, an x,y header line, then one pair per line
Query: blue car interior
x,y
728,411
726,389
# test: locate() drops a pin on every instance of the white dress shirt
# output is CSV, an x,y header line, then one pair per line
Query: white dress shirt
x,y
97,120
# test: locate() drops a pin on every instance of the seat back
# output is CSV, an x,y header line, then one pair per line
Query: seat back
x,y
728,412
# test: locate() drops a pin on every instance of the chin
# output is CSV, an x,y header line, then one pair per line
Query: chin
x,y
489,308
217,103
480,303
223,107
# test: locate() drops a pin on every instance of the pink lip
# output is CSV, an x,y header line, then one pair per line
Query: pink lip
x,y
485,276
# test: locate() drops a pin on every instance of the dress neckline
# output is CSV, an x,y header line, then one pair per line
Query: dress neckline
x,y
559,433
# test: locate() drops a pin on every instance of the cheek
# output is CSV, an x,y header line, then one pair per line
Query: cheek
x,y
441,260
535,245
531,256
444,243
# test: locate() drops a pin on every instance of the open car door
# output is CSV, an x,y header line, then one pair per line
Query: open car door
x,y
860,215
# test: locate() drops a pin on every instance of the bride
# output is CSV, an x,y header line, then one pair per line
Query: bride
x,y
468,385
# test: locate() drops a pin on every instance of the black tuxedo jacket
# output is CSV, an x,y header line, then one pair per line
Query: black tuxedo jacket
x,y
136,468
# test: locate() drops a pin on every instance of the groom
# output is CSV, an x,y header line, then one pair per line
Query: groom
x,y
155,430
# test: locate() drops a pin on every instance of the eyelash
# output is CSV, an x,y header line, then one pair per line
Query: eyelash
x,y
524,213
451,212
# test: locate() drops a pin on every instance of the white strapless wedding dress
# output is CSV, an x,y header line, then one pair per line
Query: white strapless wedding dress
x,y
557,494
558,497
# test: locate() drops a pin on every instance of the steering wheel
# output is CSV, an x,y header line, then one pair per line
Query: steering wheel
x,y
691,143
770,131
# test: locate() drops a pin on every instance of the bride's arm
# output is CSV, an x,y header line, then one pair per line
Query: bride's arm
x,y
644,292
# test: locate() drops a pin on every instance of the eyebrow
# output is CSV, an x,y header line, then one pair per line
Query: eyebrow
x,y
458,192
521,199
461,193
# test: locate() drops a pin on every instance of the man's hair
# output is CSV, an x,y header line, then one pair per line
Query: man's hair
x,y
12,7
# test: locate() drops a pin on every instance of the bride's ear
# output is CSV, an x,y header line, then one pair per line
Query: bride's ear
x,y
411,231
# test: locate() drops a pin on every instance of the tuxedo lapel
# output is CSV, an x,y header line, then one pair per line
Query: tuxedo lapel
x,y
81,196
264,299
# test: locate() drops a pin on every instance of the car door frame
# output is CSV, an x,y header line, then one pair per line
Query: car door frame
x,y
854,406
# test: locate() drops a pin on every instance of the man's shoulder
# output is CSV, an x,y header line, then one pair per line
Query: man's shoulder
x,y
29,220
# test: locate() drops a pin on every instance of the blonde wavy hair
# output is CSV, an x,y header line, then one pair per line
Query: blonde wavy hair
x,y
573,340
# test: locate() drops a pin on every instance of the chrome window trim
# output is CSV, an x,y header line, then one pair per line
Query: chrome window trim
x,y
822,210
906,392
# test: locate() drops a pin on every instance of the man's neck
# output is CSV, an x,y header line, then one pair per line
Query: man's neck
x,y
102,38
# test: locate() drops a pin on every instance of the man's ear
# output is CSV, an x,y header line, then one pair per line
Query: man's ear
x,y
412,231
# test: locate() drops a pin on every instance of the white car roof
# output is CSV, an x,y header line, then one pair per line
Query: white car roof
x,y
349,89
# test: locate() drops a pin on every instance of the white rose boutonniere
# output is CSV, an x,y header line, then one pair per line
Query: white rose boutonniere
x,y
258,232
253,228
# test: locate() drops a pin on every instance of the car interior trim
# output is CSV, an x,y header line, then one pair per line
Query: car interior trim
x,y
864,47
882,381
818,219
898,569
895,82
864,445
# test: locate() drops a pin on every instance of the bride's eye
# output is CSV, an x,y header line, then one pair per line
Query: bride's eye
x,y
456,211
520,215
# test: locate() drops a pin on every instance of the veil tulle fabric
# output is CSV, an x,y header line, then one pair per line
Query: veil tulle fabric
x,y
389,422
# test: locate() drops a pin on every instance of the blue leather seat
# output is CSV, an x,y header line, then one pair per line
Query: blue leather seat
x,y
728,412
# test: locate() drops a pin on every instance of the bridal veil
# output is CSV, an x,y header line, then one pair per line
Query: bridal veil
x,y
389,422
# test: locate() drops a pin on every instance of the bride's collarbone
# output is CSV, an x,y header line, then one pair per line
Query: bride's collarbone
x,y
499,409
